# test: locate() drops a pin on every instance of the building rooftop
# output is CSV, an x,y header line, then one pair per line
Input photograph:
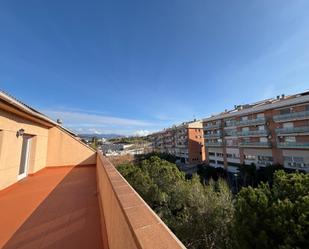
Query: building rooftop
x,y
278,102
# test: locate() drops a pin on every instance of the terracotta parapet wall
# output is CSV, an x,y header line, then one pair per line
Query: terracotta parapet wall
x,y
128,221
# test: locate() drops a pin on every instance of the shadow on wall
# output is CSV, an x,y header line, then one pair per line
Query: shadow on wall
x,y
68,217
196,152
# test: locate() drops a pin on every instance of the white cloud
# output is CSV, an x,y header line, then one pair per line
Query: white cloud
x,y
81,119
141,133
83,122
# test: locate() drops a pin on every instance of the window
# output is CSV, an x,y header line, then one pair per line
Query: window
x,y
290,139
294,161
245,129
265,158
285,111
211,153
219,154
244,118
263,139
236,156
261,127
249,157
287,125
260,115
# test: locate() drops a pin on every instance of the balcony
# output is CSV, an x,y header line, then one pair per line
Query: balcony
x,y
252,133
249,122
212,135
212,126
230,123
231,133
291,116
213,144
292,130
294,145
255,144
181,146
89,206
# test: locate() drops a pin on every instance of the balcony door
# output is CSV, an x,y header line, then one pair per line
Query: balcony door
x,y
24,160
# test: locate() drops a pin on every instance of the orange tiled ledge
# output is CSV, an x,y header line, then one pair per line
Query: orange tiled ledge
x,y
129,222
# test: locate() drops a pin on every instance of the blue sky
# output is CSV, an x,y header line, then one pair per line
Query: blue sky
x,y
135,66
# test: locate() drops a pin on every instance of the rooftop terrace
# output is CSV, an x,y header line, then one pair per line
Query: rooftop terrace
x,y
77,207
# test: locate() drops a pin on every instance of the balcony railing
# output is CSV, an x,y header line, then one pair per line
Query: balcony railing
x,y
291,116
212,126
255,144
255,121
230,123
230,133
252,133
296,145
210,135
214,144
290,130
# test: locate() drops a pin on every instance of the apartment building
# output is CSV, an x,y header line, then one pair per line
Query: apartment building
x,y
184,141
56,192
269,132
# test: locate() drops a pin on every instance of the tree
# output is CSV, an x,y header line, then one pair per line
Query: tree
x,y
276,217
201,216
248,174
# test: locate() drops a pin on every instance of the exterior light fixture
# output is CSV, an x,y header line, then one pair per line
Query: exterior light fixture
x,y
20,132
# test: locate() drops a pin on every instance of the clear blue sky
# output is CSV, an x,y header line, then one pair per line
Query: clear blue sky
x,y
132,66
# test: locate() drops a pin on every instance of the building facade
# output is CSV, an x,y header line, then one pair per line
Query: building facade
x,y
269,132
184,141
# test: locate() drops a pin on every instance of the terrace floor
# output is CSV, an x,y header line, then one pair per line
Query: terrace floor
x,y
55,208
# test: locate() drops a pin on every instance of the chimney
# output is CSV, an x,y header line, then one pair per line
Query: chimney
x,y
278,96
59,121
282,96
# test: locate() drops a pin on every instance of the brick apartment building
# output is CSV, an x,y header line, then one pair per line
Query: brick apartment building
x,y
272,131
184,141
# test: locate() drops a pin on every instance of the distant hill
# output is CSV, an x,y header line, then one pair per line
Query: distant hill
x,y
106,136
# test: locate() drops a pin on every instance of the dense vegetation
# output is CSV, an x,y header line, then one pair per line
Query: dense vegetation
x,y
207,216
129,140
276,217
184,204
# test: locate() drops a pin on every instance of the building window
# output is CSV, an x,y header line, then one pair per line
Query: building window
x,y
285,111
250,157
263,139
287,125
290,139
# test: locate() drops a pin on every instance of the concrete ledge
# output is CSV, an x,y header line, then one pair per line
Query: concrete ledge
x,y
129,221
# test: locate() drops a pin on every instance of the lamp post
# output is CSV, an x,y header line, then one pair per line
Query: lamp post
x,y
236,176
